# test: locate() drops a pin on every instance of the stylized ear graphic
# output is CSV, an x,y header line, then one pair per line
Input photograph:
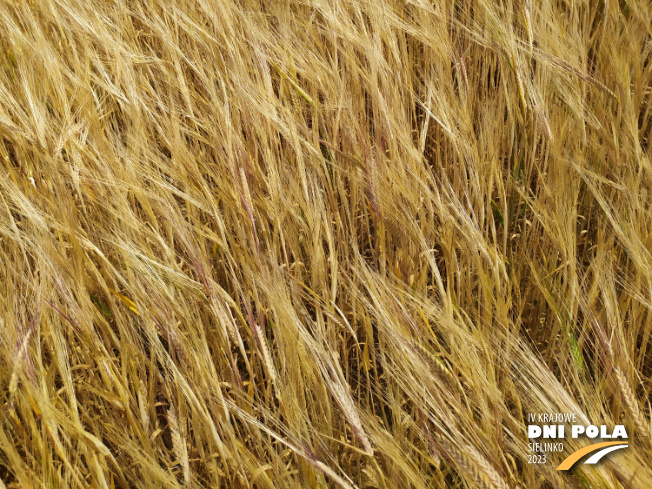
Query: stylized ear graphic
x,y
606,447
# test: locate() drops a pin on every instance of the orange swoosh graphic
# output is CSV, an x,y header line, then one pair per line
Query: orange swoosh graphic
x,y
575,456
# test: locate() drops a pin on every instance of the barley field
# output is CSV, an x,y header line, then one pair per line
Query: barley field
x,y
323,243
